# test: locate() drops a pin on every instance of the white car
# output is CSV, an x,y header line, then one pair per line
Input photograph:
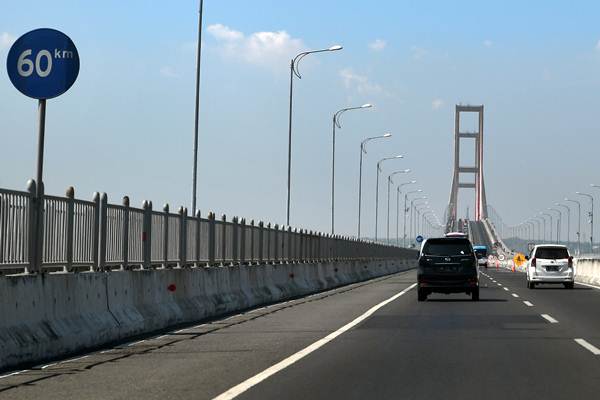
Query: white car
x,y
550,263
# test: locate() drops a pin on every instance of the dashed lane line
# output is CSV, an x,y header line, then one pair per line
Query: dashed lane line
x,y
549,319
528,303
585,344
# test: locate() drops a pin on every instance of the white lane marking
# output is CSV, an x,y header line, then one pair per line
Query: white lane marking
x,y
134,343
12,374
528,304
106,351
505,288
162,337
256,379
595,351
74,359
587,284
549,318
48,365
499,284
514,295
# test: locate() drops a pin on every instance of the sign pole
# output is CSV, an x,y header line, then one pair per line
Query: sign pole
x,y
40,154
39,201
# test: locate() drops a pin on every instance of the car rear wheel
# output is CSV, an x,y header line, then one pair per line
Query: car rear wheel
x,y
530,285
569,285
421,295
475,295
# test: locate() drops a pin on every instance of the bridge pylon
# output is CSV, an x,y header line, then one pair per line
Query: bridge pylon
x,y
460,170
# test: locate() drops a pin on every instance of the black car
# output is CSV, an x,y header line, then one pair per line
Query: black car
x,y
447,265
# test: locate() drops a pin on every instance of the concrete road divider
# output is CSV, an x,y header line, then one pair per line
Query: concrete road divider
x,y
46,316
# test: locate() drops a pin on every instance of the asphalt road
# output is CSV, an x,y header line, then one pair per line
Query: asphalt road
x,y
446,348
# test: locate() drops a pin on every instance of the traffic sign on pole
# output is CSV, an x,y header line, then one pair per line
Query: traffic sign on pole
x,y
419,239
42,64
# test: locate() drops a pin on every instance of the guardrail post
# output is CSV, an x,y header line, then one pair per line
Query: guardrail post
x,y
261,239
269,244
252,241
96,230
211,238
147,235
223,238
166,235
182,237
102,232
276,243
243,241
198,236
234,239
125,255
70,229
289,242
32,227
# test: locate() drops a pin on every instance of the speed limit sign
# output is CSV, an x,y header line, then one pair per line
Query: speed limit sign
x,y
43,63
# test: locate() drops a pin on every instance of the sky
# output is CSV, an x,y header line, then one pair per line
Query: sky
x,y
126,126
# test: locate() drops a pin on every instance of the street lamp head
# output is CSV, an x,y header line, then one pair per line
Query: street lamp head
x,y
335,48
368,105
387,135
406,171
413,182
399,156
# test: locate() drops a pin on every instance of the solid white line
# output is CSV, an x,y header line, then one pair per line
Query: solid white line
x,y
12,374
134,343
514,295
74,359
527,303
256,379
587,284
595,351
549,319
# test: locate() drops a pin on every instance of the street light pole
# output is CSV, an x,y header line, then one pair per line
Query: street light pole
x,y
558,223
591,214
389,182
377,190
336,123
578,224
398,191
363,150
295,71
568,221
197,110
547,215
406,211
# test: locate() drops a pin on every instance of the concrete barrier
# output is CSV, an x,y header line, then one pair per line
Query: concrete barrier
x,y
54,315
587,270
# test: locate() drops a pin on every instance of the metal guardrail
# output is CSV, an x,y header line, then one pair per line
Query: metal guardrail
x,y
78,235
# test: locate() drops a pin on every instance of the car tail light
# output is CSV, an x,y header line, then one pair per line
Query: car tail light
x,y
570,261
533,262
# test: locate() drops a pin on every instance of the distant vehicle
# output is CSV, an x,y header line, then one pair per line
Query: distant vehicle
x,y
481,252
447,265
550,263
456,235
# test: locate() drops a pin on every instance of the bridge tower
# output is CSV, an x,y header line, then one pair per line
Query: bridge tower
x,y
460,170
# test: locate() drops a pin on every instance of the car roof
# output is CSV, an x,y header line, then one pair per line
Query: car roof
x,y
550,245
480,246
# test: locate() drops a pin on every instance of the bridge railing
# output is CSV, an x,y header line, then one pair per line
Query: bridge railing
x,y
79,235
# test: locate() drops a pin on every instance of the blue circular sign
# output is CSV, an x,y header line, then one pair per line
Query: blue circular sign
x,y
43,63
419,239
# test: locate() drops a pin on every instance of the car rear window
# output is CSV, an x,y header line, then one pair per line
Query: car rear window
x,y
480,253
447,247
551,253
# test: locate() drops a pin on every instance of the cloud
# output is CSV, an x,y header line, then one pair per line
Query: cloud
x,y
418,52
377,45
436,104
6,40
359,83
168,72
488,43
258,48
